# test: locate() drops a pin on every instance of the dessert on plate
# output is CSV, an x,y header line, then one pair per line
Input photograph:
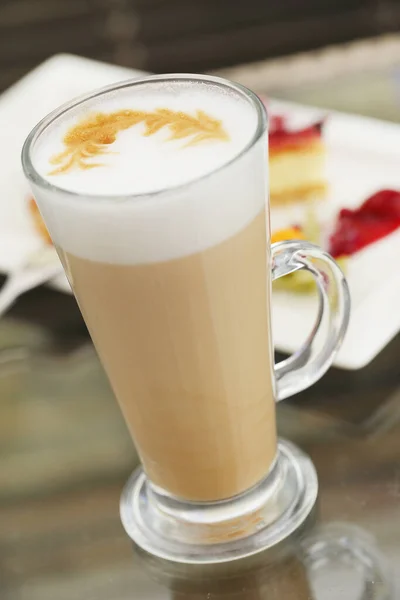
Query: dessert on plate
x,y
302,281
377,217
352,231
296,161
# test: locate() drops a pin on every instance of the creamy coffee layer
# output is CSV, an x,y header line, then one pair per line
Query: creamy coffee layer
x,y
150,227
186,346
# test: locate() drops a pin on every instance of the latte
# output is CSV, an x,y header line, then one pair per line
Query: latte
x,y
159,218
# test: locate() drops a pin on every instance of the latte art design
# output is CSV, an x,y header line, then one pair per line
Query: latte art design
x,y
92,136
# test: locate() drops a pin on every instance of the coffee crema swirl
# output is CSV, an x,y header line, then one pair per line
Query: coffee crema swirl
x,y
90,136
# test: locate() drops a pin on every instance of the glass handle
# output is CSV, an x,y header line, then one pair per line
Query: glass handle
x,y
314,358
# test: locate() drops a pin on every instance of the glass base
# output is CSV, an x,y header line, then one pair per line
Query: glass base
x,y
214,532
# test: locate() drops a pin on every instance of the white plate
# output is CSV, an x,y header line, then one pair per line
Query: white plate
x,y
364,156
54,82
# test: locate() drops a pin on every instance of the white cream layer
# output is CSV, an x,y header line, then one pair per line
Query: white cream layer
x,y
209,205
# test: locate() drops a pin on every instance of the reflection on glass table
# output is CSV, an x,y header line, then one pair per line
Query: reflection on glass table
x,y
337,560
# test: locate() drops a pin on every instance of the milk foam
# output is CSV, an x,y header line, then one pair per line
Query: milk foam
x,y
101,225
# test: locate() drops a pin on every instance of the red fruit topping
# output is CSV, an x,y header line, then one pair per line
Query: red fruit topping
x,y
276,123
280,137
376,218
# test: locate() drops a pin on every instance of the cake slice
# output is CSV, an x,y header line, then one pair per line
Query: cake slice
x,y
296,162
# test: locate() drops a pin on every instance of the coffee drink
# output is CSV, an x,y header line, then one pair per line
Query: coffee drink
x,y
159,219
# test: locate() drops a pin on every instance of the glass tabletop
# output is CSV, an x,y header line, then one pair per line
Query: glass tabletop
x,y
66,454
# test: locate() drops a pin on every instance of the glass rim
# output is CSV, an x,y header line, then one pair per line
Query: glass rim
x,y
34,176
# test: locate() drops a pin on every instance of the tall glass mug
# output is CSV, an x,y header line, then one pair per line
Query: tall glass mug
x,y
175,288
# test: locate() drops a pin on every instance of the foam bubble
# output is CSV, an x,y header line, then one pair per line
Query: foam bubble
x,y
182,220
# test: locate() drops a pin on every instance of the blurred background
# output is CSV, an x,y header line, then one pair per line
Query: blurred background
x,y
181,35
